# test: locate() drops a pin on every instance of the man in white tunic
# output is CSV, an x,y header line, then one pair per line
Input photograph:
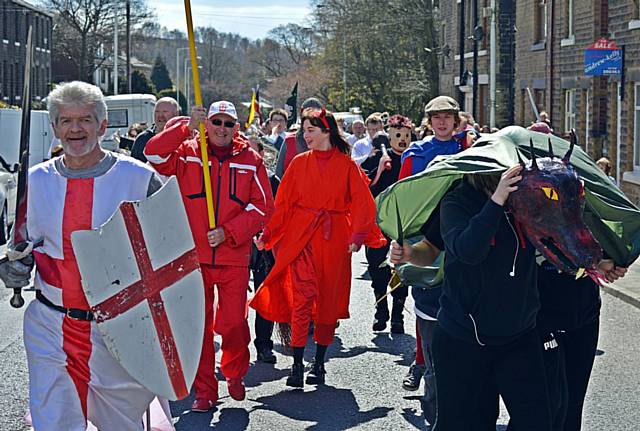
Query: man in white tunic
x,y
72,376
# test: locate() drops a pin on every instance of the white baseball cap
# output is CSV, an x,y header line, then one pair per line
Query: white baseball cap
x,y
223,107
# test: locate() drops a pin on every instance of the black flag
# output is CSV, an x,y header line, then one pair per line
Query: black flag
x,y
291,106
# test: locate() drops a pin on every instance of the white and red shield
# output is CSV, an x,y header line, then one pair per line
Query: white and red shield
x,y
141,277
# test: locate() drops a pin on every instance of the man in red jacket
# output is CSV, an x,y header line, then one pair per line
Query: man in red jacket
x,y
243,202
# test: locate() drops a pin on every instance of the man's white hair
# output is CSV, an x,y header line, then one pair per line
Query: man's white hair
x,y
76,93
169,100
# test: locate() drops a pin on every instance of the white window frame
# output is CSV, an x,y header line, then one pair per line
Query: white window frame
x,y
570,102
570,19
636,128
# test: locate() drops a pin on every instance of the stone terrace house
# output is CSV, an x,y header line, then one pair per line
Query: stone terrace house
x,y
450,13
540,51
624,134
15,18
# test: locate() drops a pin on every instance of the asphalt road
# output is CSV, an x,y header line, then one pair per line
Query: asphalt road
x,y
364,375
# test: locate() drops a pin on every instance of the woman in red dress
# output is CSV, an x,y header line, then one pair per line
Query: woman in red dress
x,y
324,212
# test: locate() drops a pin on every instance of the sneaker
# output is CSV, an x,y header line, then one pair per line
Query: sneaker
x,y
201,405
316,374
266,356
379,325
236,389
412,379
397,328
296,377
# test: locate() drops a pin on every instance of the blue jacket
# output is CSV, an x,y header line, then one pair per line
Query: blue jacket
x,y
423,152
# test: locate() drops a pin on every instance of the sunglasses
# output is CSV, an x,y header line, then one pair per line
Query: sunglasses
x,y
219,122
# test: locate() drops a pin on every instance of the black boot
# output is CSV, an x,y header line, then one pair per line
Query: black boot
x,y
382,315
397,318
316,374
296,376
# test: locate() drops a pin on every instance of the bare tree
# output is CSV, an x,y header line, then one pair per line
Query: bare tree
x,y
83,26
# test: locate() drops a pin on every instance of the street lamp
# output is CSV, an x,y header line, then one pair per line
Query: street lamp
x,y
186,61
188,85
178,72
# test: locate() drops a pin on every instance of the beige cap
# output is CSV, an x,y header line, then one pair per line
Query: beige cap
x,y
441,104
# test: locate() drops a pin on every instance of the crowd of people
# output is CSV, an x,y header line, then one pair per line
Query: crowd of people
x,y
528,336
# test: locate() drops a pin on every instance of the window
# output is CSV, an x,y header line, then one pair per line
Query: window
x,y
468,24
443,42
118,117
570,18
5,20
570,109
540,21
636,128
540,99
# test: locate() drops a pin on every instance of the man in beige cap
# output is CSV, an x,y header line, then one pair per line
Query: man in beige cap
x,y
442,114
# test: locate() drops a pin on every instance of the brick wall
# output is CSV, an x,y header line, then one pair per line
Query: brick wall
x,y
623,16
530,64
449,16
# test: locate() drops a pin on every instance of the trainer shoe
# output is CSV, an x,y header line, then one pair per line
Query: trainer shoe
x,y
236,389
201,405
296,376
412,379
315,376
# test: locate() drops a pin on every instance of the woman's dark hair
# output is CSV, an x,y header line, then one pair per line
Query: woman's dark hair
x,y
326,122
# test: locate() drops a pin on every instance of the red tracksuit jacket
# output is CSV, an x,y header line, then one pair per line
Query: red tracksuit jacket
x,y
242,196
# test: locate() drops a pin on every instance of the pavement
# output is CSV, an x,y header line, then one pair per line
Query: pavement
x,y
628,287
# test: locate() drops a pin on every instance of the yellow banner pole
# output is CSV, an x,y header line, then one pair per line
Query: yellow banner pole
x,y
198,98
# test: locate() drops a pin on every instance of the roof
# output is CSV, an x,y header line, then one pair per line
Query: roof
x,y
149,97
32,7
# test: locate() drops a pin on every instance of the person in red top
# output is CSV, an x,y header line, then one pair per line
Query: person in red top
x,y
324,212
243,202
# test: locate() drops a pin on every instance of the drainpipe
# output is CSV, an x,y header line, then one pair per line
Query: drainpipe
x,y
621,83
462,40
551,68
492,67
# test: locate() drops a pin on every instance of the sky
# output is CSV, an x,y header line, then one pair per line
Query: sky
x,y
249,18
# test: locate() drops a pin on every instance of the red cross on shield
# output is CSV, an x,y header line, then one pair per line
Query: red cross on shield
x,y
141,277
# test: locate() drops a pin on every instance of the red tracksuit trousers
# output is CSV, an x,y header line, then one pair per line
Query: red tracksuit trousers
x,y
305,291
229,320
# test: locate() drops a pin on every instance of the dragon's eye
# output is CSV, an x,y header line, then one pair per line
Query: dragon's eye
x,y
550,193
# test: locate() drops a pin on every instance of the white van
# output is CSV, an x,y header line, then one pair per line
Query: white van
x,y
124,110
40,137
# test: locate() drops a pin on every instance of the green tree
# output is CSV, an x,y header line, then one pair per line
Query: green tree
x,y
382,61
160,75
139,84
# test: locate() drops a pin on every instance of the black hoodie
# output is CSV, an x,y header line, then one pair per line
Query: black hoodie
x,y
489,293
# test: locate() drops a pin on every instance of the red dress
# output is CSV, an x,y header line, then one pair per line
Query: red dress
x,y
323,205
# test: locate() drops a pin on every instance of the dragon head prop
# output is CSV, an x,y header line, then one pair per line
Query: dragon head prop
x,y
548,204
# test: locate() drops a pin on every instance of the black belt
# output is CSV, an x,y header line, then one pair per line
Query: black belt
x,y
73,313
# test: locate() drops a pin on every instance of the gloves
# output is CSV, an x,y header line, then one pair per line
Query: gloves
x,y
17,273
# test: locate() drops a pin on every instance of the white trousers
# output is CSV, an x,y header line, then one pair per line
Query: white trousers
x,y
73,377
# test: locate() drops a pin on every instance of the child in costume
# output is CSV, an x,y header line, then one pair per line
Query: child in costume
x,y
383,167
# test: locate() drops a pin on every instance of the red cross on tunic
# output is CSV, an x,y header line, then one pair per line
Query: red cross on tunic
x,y
149,288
